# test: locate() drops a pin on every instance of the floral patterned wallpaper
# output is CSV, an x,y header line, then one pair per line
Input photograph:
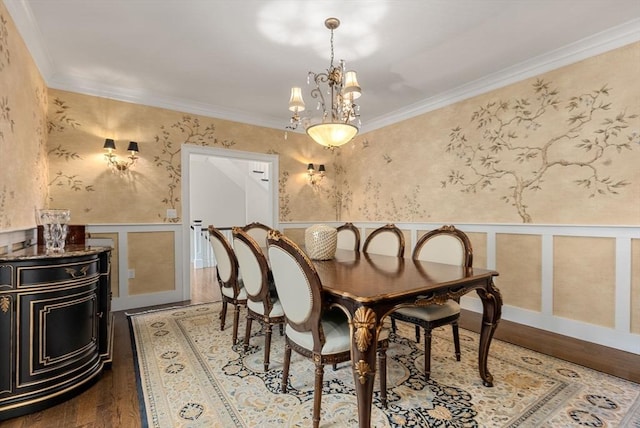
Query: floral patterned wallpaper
x,y
23,112
82,181
561,148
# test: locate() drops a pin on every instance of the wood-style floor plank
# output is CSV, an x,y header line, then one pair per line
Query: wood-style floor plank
x,y
113,401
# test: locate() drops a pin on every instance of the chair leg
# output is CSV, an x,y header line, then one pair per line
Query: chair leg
x,y
427,353
223,314
317,394
382,358
247,332
393,325
417,334
236,321
456,339
285,366
281,329
267,347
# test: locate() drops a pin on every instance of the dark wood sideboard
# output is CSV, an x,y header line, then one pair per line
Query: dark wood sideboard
x,y
55,325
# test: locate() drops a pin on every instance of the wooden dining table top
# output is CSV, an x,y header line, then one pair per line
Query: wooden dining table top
x,y
371,277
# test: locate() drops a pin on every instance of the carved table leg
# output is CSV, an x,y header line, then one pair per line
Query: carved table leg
x,y
363,356
492,311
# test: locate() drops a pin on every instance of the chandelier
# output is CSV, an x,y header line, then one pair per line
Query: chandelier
x,y
336,91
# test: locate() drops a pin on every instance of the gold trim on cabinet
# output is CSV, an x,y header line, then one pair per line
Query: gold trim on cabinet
x,y
5,304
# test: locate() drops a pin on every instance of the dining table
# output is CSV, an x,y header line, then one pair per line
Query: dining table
x,y
368,287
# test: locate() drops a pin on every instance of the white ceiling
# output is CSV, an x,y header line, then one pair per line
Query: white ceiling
x,y
237,59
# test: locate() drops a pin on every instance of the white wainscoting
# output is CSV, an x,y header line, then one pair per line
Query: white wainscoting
x,y
124,301
619,337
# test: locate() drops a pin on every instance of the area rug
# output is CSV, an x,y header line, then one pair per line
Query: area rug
x,y
190,375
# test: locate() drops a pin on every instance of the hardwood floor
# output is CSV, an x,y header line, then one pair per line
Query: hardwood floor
x,y
113,400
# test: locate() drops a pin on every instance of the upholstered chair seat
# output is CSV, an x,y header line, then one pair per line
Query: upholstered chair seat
x,y
258,308
432,312
228,292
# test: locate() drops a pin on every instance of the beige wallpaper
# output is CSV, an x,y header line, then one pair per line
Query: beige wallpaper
x,y
519,262
23,109
561,148
587,265
81,180
152,261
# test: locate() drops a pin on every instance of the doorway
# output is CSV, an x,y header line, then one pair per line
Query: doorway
x,y
226,188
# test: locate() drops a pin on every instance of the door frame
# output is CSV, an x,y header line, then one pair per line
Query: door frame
x,y
187,151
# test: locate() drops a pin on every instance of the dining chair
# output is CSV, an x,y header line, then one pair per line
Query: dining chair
x,y
263,304
258,231
312,330
348,237
227,272
444,245
387,240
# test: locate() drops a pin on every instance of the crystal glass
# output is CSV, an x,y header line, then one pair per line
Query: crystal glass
x,y
55,223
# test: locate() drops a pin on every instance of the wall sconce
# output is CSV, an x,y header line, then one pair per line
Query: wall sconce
x,y
112,159
315,177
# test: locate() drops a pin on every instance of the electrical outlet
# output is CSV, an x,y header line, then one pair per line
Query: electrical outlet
x,y
132,273
172,213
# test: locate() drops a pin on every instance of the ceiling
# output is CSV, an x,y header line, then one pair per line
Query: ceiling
x,y
237,59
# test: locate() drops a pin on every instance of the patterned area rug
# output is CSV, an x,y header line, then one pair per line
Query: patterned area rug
x,y
189,375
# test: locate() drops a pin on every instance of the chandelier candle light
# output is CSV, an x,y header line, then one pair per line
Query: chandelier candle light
x,y
336,92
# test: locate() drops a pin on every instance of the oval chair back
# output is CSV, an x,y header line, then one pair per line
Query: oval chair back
x,y
226,263
445,245
298,286
348,237
255,271
258,231
231,288
387,240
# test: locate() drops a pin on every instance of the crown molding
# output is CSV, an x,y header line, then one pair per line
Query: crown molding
x,y
596,44
26,24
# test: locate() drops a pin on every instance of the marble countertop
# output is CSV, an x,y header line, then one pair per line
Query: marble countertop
x,y
39,252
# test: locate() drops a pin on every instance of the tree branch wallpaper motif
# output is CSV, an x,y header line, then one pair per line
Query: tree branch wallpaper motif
x,y
5,52
504,145
59,119
191,133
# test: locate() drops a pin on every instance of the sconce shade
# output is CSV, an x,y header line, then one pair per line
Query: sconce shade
x,y
332,134
109,144
321,169
310,167
133,147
